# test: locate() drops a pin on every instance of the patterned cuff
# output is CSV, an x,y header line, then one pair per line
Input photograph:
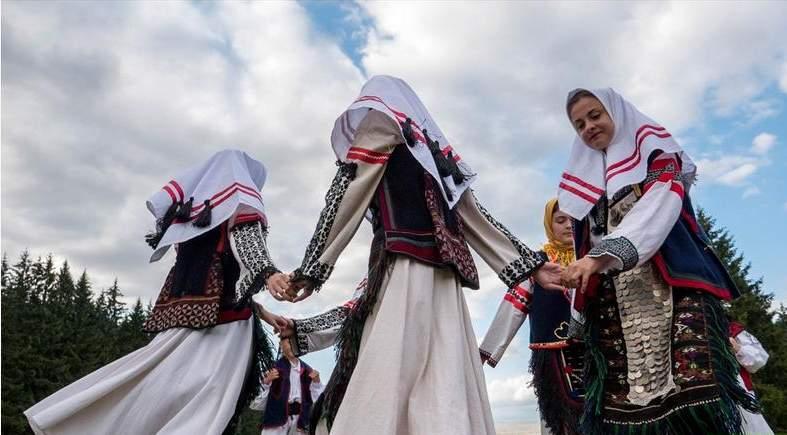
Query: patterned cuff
x,y
298,341
315,275
618,247
521,268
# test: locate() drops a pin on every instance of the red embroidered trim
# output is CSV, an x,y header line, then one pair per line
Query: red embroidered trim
x,y
719,292
554,345
228,316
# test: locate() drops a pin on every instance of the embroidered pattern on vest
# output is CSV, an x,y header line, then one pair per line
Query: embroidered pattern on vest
x,y
451,245
195,312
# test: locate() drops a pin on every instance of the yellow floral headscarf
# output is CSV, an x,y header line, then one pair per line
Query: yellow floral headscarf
x,y
558,252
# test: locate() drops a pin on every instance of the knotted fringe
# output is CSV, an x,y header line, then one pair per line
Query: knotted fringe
x,y
154,238
558,409
719,415
184,212
203,218
348,342
262,360
446,165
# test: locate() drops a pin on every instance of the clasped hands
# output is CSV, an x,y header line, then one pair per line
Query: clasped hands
x,y
552,276
283,288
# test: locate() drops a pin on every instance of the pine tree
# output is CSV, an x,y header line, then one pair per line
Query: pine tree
x,y
113,306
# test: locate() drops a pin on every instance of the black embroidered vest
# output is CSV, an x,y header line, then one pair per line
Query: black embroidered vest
x,y
409,209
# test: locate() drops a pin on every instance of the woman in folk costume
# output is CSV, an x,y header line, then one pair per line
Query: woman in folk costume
x,y
658,359
203,366
391,375
752,357
557,358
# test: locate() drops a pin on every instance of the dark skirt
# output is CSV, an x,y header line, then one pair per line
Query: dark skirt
x,y
704,369
557,381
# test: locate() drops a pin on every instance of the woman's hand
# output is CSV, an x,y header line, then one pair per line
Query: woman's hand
x,y
277,284
285,327
577,274
548,276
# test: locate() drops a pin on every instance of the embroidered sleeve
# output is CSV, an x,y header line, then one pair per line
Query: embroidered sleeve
x,y
642,231
510,316
349,196
318,332
511,259
248,242
619,247
751,355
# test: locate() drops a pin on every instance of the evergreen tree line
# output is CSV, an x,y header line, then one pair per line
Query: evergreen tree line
x,y
755,310
56,329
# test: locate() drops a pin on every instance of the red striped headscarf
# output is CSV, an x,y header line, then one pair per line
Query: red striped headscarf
x,y
230,181
395,98
591,173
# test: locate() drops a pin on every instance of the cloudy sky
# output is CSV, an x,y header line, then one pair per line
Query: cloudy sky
x,y
103,101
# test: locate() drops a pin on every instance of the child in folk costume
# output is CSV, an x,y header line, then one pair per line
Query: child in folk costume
x,y
658,359
557,358
288,391
391,375
752,357
203,366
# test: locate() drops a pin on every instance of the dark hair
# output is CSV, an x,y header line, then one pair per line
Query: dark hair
x,y
577,95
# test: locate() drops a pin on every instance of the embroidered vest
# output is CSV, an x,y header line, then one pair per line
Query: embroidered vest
x,y
199,289
409,210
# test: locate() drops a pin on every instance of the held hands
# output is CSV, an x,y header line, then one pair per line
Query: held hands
x,y
278,285
282,288
285,327
548,276
577,274
315,376
299,286
270,376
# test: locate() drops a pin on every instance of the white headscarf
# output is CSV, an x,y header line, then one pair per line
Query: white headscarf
x,y
590,173
393,97
230,180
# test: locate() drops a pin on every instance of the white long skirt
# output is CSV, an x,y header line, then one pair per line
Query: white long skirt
x,y
418,371
184,382
753,424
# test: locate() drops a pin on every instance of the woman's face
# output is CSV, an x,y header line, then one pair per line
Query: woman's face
x,y
592,123
561,227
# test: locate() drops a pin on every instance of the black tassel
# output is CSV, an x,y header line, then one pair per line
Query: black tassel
x,y
203,218
407,132
184,212
154,238
446,166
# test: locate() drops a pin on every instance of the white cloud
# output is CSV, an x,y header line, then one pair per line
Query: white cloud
x,y
751,191
513,390
729,170
762,143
